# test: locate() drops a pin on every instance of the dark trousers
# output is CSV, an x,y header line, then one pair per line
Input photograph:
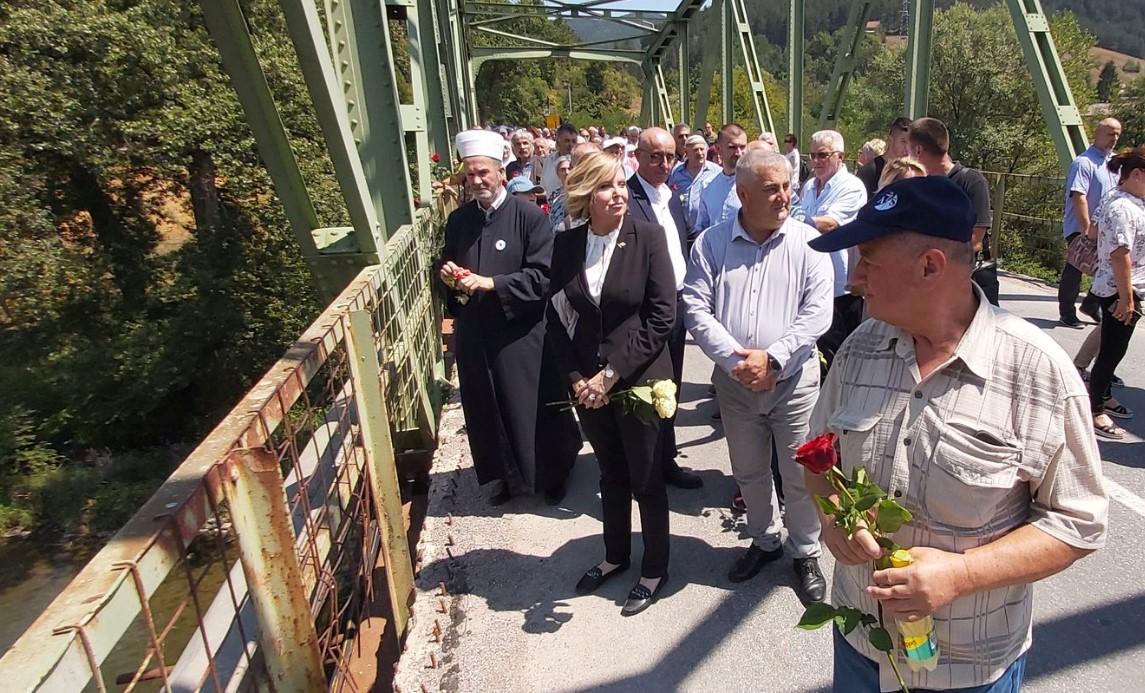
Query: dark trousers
x,y
666,445
1069,286
625,447
1115,336
986,277
847,315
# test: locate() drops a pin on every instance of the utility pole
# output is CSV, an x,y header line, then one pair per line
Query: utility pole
x,y
904,17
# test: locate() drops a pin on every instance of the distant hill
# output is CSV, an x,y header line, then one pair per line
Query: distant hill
x,y
1119,25
589,29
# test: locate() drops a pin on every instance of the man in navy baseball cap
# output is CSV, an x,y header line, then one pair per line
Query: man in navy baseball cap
x,y
930,205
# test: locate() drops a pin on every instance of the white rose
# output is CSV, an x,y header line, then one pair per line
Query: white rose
x,y
664,389
665,406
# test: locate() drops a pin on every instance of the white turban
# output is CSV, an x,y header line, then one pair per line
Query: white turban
x,y
480,143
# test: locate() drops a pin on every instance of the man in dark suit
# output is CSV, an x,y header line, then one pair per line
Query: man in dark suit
x,y
650,199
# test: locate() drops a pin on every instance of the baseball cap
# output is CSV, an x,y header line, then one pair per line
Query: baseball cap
x,y
521,184
613,142
930,205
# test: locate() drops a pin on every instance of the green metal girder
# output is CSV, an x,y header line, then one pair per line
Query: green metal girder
x,y
532,41
364,51
711,55
1059,110
684,71
483,54
415,116
330,108
742,29
844,65
795,37
670,32
228,29
917,67
660,113
727,62
429,34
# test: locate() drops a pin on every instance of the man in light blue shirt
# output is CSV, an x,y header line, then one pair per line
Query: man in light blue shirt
x,y
718,200
1088,179
832,196
757,298
691,172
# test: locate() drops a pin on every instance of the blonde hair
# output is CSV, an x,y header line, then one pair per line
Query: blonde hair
x,y
897,169
589,173
873,148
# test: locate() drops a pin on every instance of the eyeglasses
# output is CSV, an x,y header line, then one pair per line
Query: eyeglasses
x,y
822,155
658,158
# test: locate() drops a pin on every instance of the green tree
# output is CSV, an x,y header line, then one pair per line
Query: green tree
x,y
1106,81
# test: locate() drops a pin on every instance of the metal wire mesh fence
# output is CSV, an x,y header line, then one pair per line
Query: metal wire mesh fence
x,y
254,564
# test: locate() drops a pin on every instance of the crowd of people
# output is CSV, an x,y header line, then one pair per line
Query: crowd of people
x,y
860,304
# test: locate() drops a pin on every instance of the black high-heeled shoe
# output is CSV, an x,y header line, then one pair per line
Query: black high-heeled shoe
x,y
640,598
594,577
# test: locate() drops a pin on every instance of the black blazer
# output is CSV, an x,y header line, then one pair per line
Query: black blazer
x,y
629,329
640,207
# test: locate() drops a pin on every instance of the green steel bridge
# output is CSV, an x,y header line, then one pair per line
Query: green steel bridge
x,y
262,561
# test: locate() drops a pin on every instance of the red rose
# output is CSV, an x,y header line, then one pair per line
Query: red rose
x,y
436,158
818,454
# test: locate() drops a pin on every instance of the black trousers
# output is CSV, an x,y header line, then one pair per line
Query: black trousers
x,y
625,447
666,450
1069,286
986,277
1115,336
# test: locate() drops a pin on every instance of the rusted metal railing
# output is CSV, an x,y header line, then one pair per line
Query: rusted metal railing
x,y
254,564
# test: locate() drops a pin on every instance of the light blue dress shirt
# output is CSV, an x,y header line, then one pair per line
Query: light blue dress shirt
x,y
718,201
774,295
1088,176
840,199
692,200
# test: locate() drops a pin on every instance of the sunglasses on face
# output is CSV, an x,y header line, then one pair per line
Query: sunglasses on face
x,y
821,155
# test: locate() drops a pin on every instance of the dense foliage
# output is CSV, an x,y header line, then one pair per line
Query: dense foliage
x,y
147,274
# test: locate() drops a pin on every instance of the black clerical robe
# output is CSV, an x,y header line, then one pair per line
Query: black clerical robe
x,y
507,376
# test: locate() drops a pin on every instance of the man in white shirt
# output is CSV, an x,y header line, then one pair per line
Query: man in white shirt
x,y
718,199
830,198
650,199
791,147
566,140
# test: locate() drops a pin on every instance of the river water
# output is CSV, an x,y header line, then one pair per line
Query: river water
x,y
31,575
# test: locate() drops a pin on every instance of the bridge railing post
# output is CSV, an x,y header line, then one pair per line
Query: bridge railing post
x,y
288,641
381,465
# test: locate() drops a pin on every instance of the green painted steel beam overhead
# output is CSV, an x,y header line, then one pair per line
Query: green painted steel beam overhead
x,y
687,9
727,61
684,70
1059,110
228,29
483,54
844,69
917,66
742,29
796,32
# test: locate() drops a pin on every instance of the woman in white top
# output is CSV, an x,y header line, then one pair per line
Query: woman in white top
x,y
612,306
1119,283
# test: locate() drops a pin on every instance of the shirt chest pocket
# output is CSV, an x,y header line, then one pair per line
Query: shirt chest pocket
x,y
857,432
971,480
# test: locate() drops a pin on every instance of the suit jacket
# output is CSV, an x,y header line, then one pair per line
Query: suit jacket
x,y
640,207
629,329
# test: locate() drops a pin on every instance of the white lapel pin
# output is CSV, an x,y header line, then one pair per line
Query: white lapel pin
x,y
620,244
500,244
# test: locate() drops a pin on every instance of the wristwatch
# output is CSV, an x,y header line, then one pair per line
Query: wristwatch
x,y
773,363
609,373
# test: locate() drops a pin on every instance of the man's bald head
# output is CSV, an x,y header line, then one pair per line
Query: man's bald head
x,y
651,138
655,155
1107,134
582,150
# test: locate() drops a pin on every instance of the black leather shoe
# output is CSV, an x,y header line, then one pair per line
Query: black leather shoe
x,y
593,578
812,586
751,562
1072,321
640,598
556,494
500,498
680,479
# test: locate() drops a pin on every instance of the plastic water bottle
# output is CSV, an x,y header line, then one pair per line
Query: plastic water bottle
x,y
918,641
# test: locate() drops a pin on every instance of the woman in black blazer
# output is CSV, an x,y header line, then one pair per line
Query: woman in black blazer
x,y
611,309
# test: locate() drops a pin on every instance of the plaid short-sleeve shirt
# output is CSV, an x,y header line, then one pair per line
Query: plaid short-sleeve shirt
x,y
998,437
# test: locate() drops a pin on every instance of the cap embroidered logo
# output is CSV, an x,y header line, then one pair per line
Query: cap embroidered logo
x,y
887,202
